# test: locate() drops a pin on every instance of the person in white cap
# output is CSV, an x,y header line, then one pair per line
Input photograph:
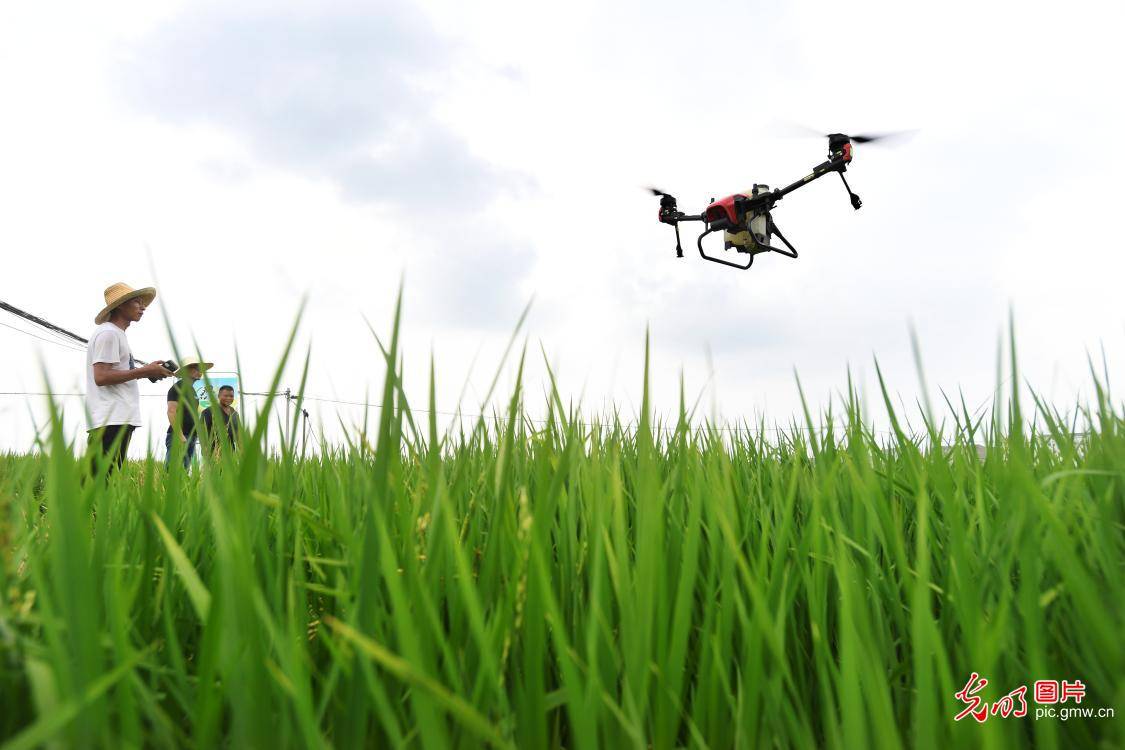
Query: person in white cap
x,y
183,408
113,398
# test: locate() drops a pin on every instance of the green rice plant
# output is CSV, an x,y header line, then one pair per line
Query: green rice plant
x,y
572,582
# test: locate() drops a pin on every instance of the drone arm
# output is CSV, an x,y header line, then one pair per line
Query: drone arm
x,y
674,217
832,165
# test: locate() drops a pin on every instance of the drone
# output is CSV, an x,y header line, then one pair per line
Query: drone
x,y
745,219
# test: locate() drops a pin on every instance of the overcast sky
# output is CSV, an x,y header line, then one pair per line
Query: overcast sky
x,y
243,155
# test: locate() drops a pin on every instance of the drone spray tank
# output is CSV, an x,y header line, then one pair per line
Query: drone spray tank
x,y
757,232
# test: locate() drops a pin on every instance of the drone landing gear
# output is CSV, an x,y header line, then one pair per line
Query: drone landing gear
x,y
856,202
759,247
791,252
705,256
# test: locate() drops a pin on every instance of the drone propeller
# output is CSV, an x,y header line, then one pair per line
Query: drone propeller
x,y
794,129
875,137
667,200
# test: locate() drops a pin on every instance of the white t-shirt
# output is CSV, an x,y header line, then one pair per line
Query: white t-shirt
x,y
111,404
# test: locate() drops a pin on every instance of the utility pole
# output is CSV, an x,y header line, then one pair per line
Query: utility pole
x,y
304,431
287,397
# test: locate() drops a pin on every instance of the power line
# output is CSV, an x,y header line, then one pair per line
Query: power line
x,y
56,342
51,328
40,322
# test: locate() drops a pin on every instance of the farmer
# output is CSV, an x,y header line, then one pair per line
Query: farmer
x,y
183,406
113,398
230,424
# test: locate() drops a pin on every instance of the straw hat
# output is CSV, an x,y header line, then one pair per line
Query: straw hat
x,y
118,294
203,366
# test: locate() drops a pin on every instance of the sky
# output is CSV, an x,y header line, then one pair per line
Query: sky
x,y
488,156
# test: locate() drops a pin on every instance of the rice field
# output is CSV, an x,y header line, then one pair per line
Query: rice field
x,y
573,583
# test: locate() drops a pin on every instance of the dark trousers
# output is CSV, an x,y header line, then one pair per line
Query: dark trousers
x,y
189,449
110,444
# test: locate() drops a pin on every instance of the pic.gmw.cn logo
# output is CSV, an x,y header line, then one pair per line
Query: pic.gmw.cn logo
x,y
1051,697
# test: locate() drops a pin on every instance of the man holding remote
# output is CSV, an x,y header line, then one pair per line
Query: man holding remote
x,y
113,398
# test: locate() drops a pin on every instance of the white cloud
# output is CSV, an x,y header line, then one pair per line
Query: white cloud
x,y
344,94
